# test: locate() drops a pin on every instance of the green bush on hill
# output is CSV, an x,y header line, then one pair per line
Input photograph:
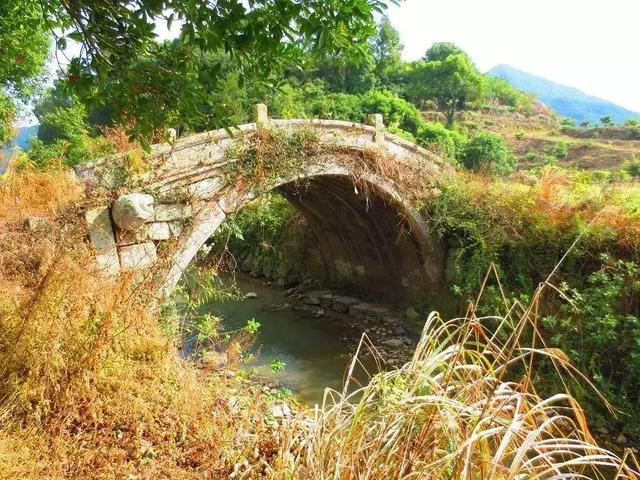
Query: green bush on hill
x,y
488,153
498,91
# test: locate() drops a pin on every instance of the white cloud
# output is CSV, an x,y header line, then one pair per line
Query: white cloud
x,y
587,44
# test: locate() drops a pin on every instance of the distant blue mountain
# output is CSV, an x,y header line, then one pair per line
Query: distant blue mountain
x,y
566,101
25,135
23,138
22,141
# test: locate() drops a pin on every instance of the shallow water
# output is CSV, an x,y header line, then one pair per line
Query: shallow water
x,y
315,358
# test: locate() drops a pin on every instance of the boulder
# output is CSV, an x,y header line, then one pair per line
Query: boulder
x,y
394,342
133,210
36,224
342,304
313,297
326,300
281,411
368,311
400,331
216,359
289,291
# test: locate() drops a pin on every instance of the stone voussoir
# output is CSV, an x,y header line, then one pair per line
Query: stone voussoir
x,y
158,231
166,212
101,234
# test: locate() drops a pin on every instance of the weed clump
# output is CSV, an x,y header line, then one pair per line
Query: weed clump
x,y
270,154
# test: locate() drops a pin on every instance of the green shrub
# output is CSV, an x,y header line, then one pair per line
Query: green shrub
x,y
520,135
396,111
632,167
487,152
599,331
71,152
559,150
450,142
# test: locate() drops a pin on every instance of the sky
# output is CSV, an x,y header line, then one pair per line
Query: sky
x,y
592,45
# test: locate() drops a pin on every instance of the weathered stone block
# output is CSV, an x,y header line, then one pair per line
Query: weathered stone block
x,y
100,228
101,234
109,263
172,211
206,188
131,211
158,231
138,257
233,200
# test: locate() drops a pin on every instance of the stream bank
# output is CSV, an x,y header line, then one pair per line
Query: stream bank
x,y
314,333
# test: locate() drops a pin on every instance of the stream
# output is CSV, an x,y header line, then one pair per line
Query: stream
x,y
310,347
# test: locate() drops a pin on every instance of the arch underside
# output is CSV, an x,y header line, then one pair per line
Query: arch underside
x,y
365,238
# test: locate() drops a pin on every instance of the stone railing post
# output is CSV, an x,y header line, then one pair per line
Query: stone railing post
x,y
378,123
261,115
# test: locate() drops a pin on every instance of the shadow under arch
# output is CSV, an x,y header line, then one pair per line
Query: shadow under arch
x,y
368,236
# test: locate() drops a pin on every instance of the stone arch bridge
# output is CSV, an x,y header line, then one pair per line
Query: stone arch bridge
x,y
351,186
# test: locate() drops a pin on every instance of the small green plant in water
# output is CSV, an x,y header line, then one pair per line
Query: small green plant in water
x,y
253,326
277,365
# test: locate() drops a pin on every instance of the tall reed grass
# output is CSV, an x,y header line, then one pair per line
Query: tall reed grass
x,y
464,407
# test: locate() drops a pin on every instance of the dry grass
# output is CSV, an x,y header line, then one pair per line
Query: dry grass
x,y
32,193
91,386
453,413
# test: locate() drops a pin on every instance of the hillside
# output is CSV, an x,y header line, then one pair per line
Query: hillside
x,y
539,140
567,101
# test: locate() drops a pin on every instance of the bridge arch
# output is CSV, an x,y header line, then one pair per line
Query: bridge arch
x,y
369,231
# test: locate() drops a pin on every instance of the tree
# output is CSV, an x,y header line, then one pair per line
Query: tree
x,y
451,83
488,153
346,75
24,46
387,52
261,37
439,51
606,120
